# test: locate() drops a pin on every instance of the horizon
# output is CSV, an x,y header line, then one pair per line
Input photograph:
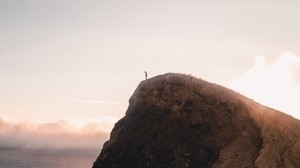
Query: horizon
x,y
68,68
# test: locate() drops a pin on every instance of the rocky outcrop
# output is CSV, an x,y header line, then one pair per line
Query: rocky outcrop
x,y
178,121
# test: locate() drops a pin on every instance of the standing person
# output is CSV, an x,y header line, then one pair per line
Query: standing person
x,y
146,75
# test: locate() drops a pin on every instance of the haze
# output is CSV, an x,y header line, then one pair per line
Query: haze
x,y
74,64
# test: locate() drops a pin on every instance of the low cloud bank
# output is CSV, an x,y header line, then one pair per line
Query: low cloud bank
x,y
276,84
62,134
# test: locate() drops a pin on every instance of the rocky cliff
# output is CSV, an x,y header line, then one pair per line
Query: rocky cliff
x,y
178,121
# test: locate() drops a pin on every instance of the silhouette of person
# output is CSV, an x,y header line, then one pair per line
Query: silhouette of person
x,y
146,75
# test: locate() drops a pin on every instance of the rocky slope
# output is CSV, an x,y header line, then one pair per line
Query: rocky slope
x,y
178,121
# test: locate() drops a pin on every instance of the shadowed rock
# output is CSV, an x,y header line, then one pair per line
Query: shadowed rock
x,y
178,121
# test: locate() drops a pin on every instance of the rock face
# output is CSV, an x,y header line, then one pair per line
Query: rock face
x,y
178,121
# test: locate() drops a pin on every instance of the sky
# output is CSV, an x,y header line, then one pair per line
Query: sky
x,y
68,66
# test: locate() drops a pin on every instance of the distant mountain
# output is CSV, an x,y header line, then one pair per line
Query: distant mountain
x,y
178,121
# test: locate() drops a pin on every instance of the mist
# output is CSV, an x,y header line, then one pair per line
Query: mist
x,y
60,135
274,83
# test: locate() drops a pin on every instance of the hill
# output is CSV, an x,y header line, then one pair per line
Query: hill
x,y
178,121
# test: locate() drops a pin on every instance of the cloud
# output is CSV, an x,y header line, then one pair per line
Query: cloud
x,y
62,134
95,101
274,84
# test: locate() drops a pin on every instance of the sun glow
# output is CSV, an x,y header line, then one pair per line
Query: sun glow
x,y
274,84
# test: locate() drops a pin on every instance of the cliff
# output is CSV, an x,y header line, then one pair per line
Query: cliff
x,y
178,121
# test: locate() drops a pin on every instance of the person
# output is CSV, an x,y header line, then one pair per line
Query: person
x,y
146,75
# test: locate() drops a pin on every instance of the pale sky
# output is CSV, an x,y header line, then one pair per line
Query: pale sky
x,y
80,61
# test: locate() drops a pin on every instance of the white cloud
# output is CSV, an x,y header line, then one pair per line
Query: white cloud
x,y
95,101
62,134
273,84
